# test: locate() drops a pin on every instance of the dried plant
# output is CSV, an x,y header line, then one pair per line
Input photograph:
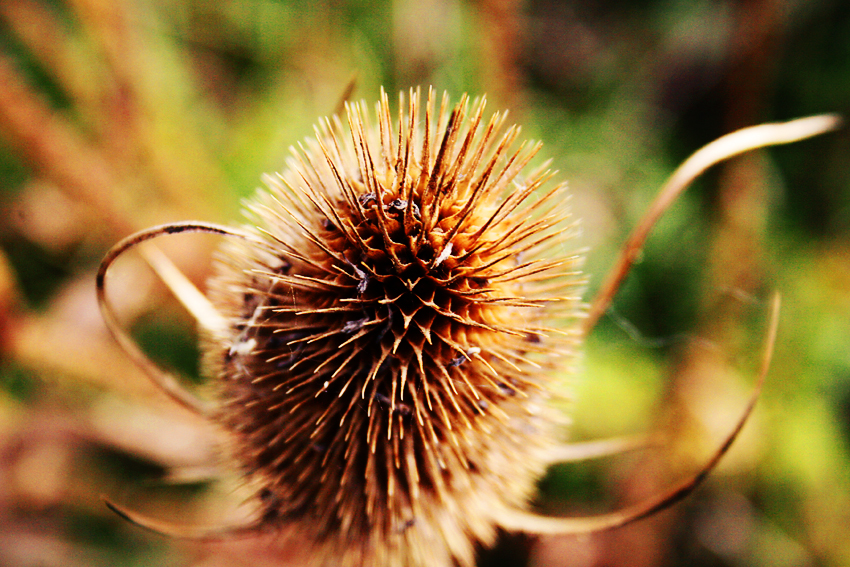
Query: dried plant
x,y
387,333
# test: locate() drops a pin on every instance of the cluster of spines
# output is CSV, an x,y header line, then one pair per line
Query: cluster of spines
x,y
390,345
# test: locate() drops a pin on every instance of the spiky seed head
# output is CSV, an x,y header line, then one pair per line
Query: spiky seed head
x,y
396,332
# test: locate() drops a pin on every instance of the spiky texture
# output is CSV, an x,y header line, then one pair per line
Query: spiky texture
x,y
397,335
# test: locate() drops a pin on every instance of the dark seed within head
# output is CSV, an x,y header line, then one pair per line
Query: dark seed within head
x,y
408,312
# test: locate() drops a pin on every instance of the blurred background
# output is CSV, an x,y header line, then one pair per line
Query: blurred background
x,y
116,115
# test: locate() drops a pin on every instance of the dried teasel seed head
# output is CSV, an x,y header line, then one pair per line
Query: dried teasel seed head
x,y
396,328
388,330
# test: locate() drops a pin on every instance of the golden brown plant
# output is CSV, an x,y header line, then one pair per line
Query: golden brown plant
x,y
386,335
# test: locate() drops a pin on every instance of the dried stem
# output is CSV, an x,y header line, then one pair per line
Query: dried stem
x,y
523,521
166,381
189,296
586,450
717,151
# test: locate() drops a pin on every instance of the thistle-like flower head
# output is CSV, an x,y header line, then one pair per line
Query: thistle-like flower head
x,y
395,331
387,332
